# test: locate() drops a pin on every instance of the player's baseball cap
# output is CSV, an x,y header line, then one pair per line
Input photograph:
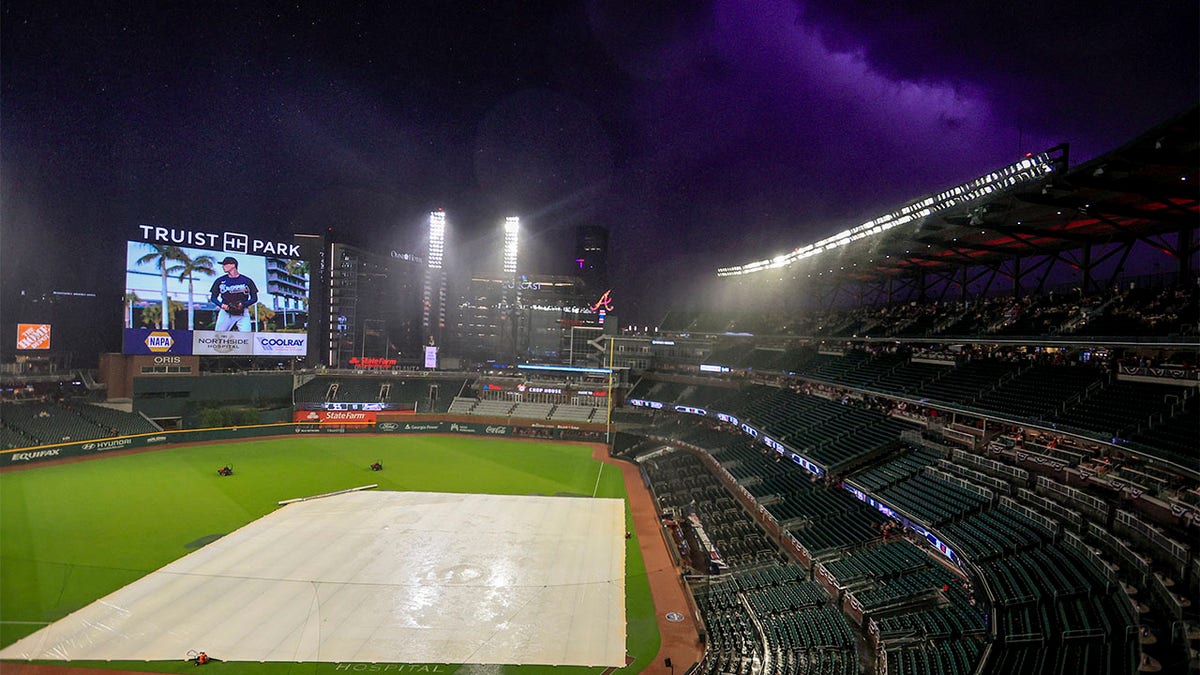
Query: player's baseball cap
x,y
229,260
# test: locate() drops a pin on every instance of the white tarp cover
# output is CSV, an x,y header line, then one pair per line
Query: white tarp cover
x,y
400,577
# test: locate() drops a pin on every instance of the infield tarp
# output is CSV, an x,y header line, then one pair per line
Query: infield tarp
x,y
384,577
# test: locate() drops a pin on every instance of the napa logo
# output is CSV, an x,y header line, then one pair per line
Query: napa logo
x,y
159,341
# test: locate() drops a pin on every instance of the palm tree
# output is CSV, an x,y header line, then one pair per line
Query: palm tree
x,y
186,269
152,315
161,257
262,313
131,299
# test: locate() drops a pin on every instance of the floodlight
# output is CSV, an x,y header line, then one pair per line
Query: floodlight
x,y
437,239
512,227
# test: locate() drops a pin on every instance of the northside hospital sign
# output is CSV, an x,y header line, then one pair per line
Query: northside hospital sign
x,y
228,242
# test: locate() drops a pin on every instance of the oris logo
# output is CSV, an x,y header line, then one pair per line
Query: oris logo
x,y
167,360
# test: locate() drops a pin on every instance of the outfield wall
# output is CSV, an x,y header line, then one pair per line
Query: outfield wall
x,y
409,425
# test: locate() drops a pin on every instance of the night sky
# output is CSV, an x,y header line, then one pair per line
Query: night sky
x,y
701,134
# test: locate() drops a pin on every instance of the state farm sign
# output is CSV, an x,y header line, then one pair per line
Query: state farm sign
x,y
338,416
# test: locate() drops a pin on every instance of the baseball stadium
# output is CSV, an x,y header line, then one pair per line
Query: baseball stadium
x,y
959,438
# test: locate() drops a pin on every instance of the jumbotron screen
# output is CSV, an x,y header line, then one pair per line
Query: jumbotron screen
x,y
189,300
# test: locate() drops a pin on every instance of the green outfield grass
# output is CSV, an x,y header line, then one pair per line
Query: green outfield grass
x,y
73,533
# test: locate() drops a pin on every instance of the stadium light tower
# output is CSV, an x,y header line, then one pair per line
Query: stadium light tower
x,y
437,239
512,228
433,297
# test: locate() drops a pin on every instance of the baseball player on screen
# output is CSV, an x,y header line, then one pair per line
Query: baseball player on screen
x,y
235,294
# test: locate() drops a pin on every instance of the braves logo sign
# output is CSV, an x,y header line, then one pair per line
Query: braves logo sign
x,y
604,303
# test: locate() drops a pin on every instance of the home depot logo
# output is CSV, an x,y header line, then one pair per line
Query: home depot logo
x,y
33,336
159,341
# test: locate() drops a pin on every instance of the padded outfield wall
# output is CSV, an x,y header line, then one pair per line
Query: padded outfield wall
x,y
385,424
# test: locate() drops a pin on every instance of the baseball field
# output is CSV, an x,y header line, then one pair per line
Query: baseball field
x,y
75,532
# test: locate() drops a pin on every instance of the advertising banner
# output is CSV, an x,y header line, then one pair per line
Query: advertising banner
x,y
33,336
225,343
410,427
433,427
220,282
344,416
431,360
144,341
280,344
481,429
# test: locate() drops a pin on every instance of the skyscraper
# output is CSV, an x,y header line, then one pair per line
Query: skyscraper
x,y
591,258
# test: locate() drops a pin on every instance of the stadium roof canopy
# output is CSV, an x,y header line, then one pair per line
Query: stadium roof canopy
x,y
1139,192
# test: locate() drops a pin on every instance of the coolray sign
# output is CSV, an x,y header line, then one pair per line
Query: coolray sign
x,y
211,342
229,242
34,454
280,344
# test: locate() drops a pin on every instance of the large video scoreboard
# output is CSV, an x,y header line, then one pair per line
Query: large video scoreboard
x,y
217,294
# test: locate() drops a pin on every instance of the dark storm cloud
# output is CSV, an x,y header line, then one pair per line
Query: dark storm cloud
x,y
701,133
765,125
1090,72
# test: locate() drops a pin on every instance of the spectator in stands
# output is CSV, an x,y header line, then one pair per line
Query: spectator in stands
x,y
235,294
